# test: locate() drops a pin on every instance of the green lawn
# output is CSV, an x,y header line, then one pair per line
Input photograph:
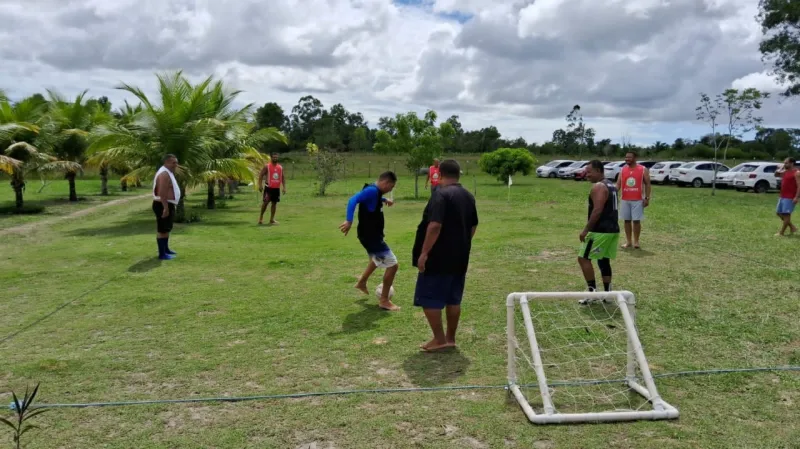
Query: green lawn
x,y
54,198
248,310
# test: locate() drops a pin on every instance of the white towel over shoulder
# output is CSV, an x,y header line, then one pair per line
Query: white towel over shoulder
x,y
175,187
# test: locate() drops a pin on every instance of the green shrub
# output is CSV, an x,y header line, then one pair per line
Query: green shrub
x,y
505,162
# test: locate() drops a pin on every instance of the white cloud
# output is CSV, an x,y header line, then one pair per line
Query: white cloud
x,y
636,67
758,80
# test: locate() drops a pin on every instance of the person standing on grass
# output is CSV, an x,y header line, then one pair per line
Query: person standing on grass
x,y
166,194
600,236
441,254
370,203
634,183
790,193
273,171
433,176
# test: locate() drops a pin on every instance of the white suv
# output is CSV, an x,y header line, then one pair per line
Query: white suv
x,y
612,169
696,174
550,169
659,173
759,176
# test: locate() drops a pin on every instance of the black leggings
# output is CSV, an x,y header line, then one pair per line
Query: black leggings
x,y
605,267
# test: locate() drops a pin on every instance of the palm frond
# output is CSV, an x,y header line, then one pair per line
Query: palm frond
x,y
61,167
8,164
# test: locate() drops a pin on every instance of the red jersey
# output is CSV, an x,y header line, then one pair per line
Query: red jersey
x,y
274,175
789,184
632,179
433,175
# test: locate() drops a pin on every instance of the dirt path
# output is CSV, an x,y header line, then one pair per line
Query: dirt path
x,y
21,229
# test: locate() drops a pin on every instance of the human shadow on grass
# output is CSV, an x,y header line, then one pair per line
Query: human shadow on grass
x,y
363,320
137,226
428,369
143,266
640,253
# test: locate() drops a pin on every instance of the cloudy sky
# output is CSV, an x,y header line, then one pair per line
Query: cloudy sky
x,y
636,67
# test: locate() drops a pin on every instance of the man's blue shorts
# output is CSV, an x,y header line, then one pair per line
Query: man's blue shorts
x,y
435,291
785,206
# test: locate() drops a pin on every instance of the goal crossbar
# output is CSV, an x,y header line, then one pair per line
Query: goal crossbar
x,y
626,302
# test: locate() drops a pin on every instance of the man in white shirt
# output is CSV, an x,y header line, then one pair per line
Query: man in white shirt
x,y
166,194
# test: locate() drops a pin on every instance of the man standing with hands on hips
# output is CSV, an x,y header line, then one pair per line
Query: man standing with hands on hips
x,y
634,184
272,193
441,254
433,176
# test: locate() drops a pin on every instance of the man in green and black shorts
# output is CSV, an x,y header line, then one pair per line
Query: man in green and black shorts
x,y
600,236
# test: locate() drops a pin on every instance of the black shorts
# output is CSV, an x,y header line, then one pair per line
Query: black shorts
x,y
164,225
273,195
435,291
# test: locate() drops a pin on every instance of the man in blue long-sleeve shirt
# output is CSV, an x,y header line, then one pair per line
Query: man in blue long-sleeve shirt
x,y
370,202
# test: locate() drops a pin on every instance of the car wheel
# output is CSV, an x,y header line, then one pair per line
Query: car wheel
x,y
697,182
551,175
761,187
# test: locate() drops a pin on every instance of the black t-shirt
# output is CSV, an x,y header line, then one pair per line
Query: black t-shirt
x,y
454,207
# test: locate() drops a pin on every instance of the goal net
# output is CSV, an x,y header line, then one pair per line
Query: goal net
x,y
570,362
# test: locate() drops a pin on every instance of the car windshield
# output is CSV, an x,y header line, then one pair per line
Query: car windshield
x,y
659,165
738,168
690,165
576,164
552,164
748,168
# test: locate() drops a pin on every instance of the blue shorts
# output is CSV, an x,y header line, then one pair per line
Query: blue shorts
x,y
785,206
435,291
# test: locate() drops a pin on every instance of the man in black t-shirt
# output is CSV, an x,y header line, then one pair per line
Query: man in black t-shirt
x,y
441,253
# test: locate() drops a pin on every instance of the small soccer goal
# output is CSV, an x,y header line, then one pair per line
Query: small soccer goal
x,y
573,361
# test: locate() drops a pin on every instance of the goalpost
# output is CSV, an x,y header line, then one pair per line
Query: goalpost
x,y
570,362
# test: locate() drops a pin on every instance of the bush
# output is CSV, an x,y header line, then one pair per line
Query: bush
x,y
736,153
701,151
506,162
327,164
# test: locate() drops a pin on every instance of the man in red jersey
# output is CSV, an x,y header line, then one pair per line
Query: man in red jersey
x,y
790,193
433,176
273,171
634,184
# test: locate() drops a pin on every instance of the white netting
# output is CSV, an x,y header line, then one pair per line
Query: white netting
x,y
584,351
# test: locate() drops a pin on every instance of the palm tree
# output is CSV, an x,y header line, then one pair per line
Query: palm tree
x,y
21,158
65,134
195,122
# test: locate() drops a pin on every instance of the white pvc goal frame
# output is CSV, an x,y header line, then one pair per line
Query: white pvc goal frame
x,y
626,302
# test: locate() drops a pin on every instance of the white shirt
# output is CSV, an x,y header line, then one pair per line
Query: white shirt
x,y
175,188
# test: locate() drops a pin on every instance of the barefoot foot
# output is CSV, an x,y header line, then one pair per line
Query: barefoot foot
x,y
434,345
362,287
388,305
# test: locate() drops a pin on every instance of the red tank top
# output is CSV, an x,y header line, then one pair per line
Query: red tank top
x,y
275,173
789,184
632,183
433,173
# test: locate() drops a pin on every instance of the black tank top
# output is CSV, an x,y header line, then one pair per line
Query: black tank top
x,y
370,224
609,218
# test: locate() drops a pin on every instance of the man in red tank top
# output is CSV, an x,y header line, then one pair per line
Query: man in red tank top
x,y
634,187
433,176
273,171
790,193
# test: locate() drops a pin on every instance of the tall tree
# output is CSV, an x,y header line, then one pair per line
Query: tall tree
x,y
419,139
780,25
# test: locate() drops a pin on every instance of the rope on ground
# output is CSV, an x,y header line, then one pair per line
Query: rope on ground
x,y
395,390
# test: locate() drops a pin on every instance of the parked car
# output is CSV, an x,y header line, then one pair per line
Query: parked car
x,y
759,176
725,180
569,171
659,172
647,164
580,175
550,169
612,169
696,174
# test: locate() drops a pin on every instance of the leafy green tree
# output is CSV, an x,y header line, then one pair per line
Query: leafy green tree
x,y
506,162
419,139
780,25
327,164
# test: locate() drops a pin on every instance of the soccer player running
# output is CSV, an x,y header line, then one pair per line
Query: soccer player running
x,y
370,202
634,183
273,171
441,254
433,176
600,236
166,194
790,193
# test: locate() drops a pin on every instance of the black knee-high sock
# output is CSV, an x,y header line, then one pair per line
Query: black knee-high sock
x,y
592,284
607,286
162,246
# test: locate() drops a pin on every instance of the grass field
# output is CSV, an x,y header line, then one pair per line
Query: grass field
x,y
248,310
